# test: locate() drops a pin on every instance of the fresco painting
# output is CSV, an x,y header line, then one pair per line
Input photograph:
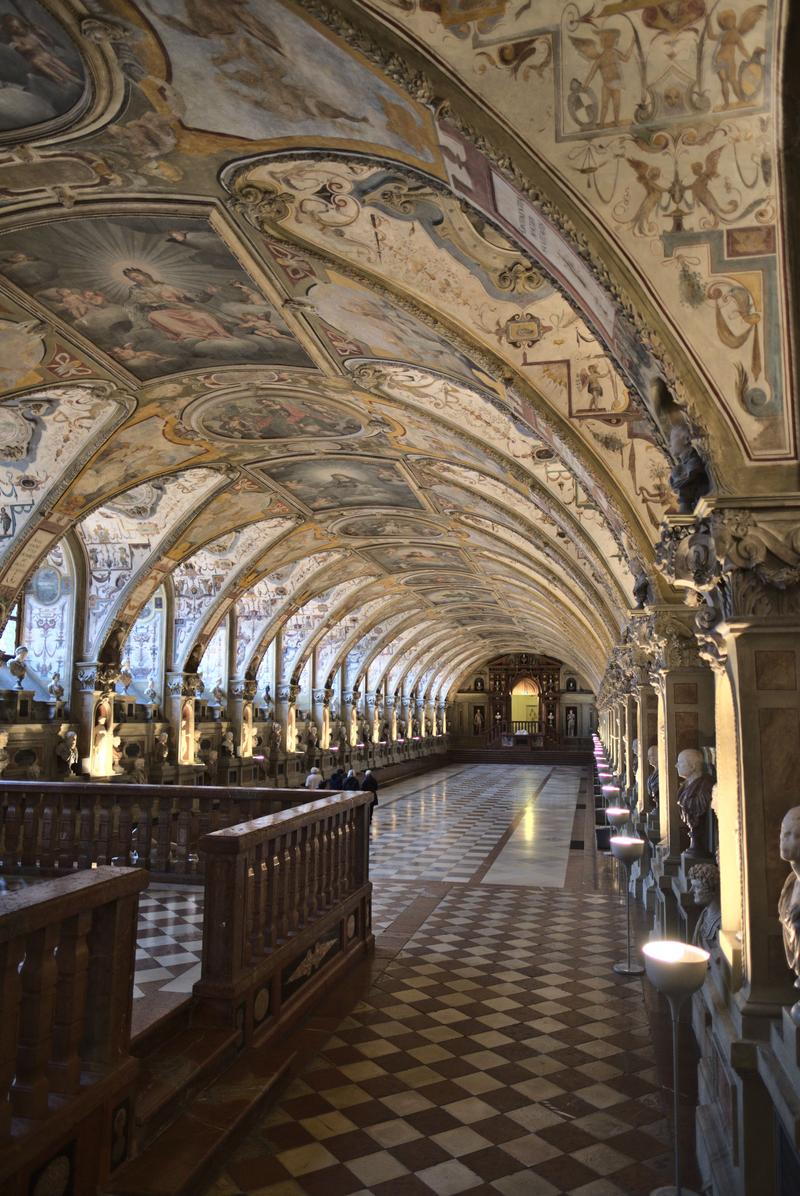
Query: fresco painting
x,y
41,72
157,294
261,416
250,68
323,483
399,557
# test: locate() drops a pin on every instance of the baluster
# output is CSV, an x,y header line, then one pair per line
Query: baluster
x,y
12,828
124,829
183,834
30,830
11,954
163,835
259,903
336,877
30,1089
327,863
104,831
286,869
302,875
294,882
112,948
204,818
273,890
249,913
144,831
263,902
47,854
65,834
348,851
312,884
72,961
86,830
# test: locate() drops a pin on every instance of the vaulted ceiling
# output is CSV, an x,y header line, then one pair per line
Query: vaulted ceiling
x,y
384,312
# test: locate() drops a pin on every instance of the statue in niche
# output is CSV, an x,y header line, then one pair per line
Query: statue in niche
x,y
117,767
67,753
4,753
694,798
363,730
102,759
33,771
652,780
635,772
291,729
274,739
415,728
161,747
56,689
704,879
17,666
571,721
218,693
227,745
186,742
689,477
246,736
353,727
151,693
385,732
376,725
789,901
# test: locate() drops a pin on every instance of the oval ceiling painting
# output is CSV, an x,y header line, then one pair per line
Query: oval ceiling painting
x,y
41,72
254,417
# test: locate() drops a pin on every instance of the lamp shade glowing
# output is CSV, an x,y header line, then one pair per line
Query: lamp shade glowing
x,y
626,848
675,969
618,816
610,789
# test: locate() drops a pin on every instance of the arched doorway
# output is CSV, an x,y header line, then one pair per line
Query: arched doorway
x,y
525,706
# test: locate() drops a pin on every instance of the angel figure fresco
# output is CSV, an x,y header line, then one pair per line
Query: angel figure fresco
x,y
38,50
704,173
606,58
655,195
744,78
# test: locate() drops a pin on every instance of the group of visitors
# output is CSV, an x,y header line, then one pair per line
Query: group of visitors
x,y
347,780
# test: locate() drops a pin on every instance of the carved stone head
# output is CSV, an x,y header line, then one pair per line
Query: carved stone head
x,y
690,763
790,836
652,756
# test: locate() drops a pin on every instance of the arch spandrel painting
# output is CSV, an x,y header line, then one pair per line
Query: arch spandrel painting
x,y
249,69
158,294
42,76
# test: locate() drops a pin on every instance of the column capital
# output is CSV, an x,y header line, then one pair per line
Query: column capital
x,y
184,685
735,559
242,688
95,676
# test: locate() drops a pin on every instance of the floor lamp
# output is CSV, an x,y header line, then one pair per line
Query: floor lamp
x,y
677,970
626,849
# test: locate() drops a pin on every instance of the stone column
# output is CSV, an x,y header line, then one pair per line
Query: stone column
x,y
349,706
182,689
630,732
285,714
390,714
320,703
739,559
241,694
93,700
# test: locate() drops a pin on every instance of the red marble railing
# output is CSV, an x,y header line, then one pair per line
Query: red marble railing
x,y
58,827
287,898
67,951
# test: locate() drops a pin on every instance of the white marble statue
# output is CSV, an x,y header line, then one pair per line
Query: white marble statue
x,y
67,752
55,688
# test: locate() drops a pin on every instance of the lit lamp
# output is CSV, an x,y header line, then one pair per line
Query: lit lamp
x,y
626,849
677,970
618,816
610,793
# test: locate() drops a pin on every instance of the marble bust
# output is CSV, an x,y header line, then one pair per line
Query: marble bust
x,y
789,901
704,879
652,780
694,798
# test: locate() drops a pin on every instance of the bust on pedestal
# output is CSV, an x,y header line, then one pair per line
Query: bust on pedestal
x,y
694,800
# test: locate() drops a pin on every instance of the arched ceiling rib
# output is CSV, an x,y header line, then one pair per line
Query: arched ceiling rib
x,y
291,340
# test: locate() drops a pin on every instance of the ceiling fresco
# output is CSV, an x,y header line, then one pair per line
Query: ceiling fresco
x,y
282,330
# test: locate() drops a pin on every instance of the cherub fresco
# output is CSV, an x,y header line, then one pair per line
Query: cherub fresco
x,y
742,78
157,295
606,57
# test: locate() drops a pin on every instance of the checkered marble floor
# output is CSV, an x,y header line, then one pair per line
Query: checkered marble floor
x,y
494,1049
446,829
169,940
